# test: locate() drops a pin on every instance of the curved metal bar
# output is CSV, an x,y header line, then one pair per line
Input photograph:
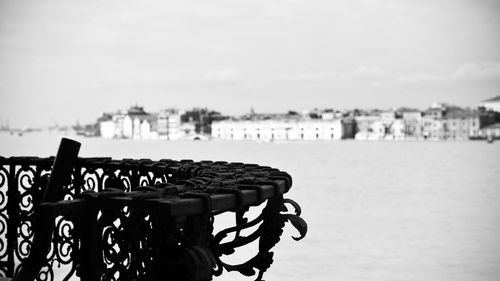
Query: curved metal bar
x,y
223,233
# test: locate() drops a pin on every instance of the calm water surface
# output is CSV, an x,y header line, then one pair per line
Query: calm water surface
x,y
376,210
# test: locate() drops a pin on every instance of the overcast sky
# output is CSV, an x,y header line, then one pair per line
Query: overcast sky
x,y
66,60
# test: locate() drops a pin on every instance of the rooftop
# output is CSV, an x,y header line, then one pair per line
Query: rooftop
x,y
136,110
495,99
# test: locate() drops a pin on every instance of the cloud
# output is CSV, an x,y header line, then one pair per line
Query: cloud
x,y
304,76
367,72
229,75
478,71
419,77
465,72
363,72
376,75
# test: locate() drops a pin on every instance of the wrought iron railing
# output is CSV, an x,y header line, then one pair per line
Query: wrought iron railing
x,y
142,219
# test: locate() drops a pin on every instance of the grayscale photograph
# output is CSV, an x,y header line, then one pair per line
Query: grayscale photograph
x,y
250,140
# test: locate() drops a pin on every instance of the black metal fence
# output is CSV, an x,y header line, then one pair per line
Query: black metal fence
x,y
139,243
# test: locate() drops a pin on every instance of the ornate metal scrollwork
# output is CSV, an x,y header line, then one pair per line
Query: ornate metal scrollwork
x,y
269,233
25,179
126,243
134,239
4,174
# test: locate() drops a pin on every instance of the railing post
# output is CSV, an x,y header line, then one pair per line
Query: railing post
x,y
62,169
90,257
42,223
13,221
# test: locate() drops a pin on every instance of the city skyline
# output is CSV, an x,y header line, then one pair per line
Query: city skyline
x,y
64,61
6,123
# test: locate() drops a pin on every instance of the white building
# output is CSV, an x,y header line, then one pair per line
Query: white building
x,y
135,124
397,130
383,127
169,124
276,130
376,131
413,124
107,129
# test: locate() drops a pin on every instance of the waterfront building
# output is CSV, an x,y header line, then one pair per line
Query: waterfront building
x,y
387,117
451,123
111,125
391,126
331,114
383,125
201,119
107,129
134,124
169,124
412,124
378,130
397,130
282,129
460,124
432,128
369,127
348,127
492,104
492,130
364,122
138,124
328,115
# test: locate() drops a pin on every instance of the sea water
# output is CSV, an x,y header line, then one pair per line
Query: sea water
x,y
377,211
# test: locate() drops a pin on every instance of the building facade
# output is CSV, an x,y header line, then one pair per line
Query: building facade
x,y
281,130
169,124
135,123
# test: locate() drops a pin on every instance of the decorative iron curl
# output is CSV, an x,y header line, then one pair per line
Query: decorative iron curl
x,y
146,179
125,176
3,176
64,244
3,273
114,244
3,234
3,214
64,240
46,273
25,178
25,234
90,179
268,233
